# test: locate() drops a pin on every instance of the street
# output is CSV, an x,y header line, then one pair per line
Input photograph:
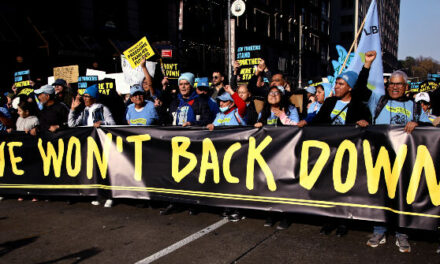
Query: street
x,y
57,232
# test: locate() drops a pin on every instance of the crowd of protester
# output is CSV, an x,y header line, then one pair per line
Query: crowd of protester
x,y
266,100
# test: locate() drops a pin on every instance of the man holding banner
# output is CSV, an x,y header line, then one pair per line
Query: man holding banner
x,y
5,117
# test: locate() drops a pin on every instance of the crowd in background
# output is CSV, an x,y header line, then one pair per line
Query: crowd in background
x,y
266,100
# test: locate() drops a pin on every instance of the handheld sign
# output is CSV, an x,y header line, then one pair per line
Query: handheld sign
x,y
248,57
414,87
428,86
106,86
171,70
69,73
22,79
138,51
136,75
86,81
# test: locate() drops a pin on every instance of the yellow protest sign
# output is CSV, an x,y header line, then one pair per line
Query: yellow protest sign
x,y
138,51
69,73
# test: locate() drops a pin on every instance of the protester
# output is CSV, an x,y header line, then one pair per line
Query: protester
x,y
393,108
423,100
94,114
62,91
251,111
141,112
345,107
202,90
277,109
232,110
218,86
257,85
188,109
322,92
311,92
53,115
6,121
27,120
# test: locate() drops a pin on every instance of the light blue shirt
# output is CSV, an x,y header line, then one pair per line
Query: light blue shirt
x,y
273,119
394,112
144,117
342,117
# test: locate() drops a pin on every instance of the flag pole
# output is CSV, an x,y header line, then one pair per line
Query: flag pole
x,y
352,45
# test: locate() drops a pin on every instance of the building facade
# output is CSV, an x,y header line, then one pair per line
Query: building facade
x,y
345,25
84,31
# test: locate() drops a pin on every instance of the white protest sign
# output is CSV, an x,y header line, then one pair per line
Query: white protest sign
x,y
100,74
135,76
50,80
122,87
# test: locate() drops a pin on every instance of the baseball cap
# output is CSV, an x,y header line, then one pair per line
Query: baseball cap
x,y
46,89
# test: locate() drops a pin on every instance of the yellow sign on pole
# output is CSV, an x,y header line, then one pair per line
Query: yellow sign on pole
x,y
138,51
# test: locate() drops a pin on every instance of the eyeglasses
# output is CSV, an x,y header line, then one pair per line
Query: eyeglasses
x,y
396,84
87,96
215,77
274,93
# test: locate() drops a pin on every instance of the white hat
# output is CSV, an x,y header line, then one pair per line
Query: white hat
x,y
422,97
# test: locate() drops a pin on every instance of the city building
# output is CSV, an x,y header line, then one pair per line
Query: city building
x,y
344,26
86,31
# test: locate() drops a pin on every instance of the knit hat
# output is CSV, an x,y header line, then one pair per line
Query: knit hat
x,y
188,77
92,91
350,77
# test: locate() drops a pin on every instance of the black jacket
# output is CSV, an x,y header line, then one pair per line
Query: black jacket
x,y
357,108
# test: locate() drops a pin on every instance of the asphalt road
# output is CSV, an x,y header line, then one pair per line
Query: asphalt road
x,y
56,232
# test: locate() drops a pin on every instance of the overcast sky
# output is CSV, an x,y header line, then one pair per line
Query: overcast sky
x,y
419,29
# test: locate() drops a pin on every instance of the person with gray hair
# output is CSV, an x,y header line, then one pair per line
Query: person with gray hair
x,y
393,108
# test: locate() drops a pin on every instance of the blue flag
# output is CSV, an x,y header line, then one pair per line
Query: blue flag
x,y
370,40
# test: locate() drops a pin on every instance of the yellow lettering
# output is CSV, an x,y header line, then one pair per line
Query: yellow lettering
x,y
254,154
93,151
209,150
178,151
2,159
14,159
119,145
73,143
383,163
138,139
424,162
307,180
52,156
227,163
352,167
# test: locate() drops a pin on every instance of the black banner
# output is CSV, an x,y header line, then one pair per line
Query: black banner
x,y
377,174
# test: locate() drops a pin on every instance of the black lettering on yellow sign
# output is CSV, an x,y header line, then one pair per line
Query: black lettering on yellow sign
x,y
23,84
26,91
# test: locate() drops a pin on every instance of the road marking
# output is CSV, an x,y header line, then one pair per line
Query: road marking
x,y
183,242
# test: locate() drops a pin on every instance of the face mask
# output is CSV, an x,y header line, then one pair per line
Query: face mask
x,y
224,109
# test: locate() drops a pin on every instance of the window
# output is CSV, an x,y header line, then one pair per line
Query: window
x,y
347,4
347,20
